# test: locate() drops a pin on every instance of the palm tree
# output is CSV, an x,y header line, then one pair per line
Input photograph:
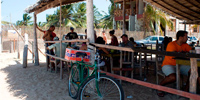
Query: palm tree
x,y
107,20
153,16
26,19
79,14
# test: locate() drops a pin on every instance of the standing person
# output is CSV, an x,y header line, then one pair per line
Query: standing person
x,y
49,34
114,40
169,64
71,35
104,37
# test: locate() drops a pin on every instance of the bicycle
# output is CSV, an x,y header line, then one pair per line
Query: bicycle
x,y
94,86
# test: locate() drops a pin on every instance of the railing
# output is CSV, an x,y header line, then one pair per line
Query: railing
x,y
59,58
146,84
119,13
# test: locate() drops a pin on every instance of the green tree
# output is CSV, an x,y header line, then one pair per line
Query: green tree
x,y
79,14
26,20
153,16
107,20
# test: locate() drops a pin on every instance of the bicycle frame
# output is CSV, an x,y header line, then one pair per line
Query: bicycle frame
x,y
81,65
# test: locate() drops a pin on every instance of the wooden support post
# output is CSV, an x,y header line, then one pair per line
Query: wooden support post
x,y
0,41
33,52
90,27
124,17
18,47
11,46
35,42
25,54
14,44
194,75
47,61
177,78
121,64
111,63
61,69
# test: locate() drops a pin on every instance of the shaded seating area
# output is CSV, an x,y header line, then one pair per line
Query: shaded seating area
x,y
127,59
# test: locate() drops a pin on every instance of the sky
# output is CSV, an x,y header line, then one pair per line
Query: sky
x,y
13,10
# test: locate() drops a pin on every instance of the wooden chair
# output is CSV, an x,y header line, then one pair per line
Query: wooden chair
x,y
141,63
159,59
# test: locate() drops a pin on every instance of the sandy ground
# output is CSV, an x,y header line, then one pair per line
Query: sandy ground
x,y
35,83
32,83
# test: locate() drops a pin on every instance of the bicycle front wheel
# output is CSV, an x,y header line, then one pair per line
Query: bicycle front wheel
x,y
107,88
74,81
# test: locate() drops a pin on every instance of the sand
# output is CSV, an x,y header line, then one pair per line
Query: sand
x,y
31,83
35,83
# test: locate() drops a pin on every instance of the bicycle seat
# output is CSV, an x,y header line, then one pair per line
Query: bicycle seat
x,y
78,54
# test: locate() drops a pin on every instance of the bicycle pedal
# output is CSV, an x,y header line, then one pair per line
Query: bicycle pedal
x,y
86,96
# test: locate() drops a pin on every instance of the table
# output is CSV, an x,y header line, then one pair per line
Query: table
x,y
193,62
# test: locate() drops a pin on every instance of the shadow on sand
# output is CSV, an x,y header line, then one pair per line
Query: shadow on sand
x,y
36,83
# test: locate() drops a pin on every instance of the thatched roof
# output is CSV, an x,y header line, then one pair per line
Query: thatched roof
x,y
42,5
188,10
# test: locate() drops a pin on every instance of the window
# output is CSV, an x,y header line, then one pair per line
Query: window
x,y
195,29
154,38
161,38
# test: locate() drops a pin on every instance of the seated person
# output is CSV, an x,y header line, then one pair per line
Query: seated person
x,y
197,44
165,42
170,39
132,40
169,64
57,49
126,42
101,50
84,46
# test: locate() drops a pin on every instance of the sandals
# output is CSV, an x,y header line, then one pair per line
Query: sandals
x,y
160,93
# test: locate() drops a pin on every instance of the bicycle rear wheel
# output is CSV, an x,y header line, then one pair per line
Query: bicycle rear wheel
x,y
74,81
108,87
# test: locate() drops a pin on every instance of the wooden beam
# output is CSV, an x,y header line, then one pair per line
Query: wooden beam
x,y
47,6
124,17
164,8
194,12
175,8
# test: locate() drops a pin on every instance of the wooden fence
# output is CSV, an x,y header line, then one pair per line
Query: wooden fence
x,y
142,83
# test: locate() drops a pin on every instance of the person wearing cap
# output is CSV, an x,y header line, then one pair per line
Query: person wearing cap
x,y
57,48
114,40
126,42
72,34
